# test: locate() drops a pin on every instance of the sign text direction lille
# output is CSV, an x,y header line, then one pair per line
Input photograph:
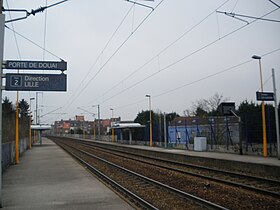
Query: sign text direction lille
x,y
36,82
35,65
265,96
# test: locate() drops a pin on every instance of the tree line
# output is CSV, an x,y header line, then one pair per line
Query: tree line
x,y
250,113
9,120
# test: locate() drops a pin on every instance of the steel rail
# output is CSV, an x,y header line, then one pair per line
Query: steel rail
x,y
111,182
196,199
227,173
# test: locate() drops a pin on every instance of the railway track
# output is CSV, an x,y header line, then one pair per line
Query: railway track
x,y
210,184
262,185
146,192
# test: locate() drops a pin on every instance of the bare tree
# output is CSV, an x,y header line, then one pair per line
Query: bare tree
x,y
204,107
215,101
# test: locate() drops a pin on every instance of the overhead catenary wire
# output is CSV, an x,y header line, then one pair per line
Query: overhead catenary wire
x,y
274,3
15,37
34,43
144,5
44,41
114,53
99,56
199,80
234,15
32,12
214,74
266,81
235,5
163,50
185,57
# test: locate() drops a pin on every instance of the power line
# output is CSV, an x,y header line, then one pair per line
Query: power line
x,y
120,46
234,15
235,5
185,57
163,50
201,79
274,3
19,54
44,41
98,57
24,37
144,5
32,12
115,52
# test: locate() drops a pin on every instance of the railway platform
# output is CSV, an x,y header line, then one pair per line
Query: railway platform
x,y
258,165
273,161
264,166
48,178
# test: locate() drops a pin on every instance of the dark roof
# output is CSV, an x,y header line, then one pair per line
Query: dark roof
x,y
182,121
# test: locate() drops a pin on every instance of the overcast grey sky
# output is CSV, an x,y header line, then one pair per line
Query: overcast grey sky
x,y
182,52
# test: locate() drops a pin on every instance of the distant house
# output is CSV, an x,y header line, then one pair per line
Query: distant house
x,y
72,126
80,118
79,125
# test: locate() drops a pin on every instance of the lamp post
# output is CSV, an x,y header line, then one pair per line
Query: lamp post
x,y
151,125
30,122
112,126
263,109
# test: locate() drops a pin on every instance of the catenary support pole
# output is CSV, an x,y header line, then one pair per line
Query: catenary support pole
x,y
276,114
17,133
2,29
159,131
165,135
99,135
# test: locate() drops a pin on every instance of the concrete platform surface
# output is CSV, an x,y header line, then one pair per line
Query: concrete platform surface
x,y
48,178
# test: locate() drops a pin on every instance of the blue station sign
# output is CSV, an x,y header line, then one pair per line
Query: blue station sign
x,y
36,82
35,65
265,96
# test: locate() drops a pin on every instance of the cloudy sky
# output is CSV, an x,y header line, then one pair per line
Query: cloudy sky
x,y
178,51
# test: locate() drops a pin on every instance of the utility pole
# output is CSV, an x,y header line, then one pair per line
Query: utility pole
x,y
159,122
17,132
98,124
2,30
276,114
165,134
112,125
99,135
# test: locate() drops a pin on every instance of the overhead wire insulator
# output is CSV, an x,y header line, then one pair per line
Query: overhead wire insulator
x,y
41,9
33,12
